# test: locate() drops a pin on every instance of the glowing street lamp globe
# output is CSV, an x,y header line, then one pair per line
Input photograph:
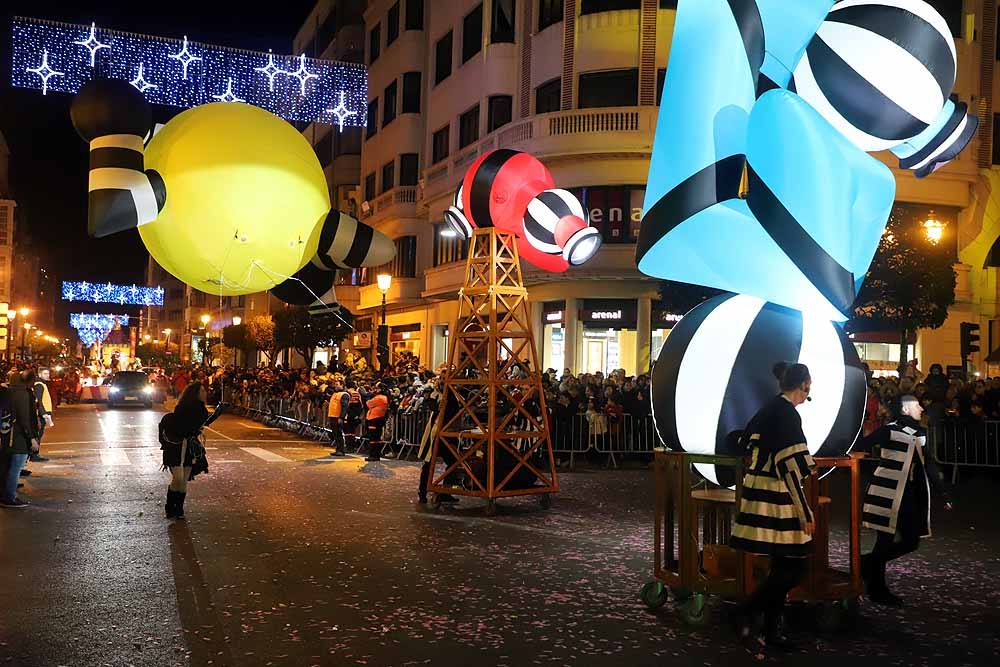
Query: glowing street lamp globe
x,y
384,281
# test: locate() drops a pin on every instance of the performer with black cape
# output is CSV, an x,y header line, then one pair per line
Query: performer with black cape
x,y
897,505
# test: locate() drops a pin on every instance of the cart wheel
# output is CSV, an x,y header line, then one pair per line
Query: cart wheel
x,y
545,501
680,593
654,594
837,615
435,502
694,611
491,507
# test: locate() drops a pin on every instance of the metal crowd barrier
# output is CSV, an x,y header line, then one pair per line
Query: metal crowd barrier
x,y
959,443
629,435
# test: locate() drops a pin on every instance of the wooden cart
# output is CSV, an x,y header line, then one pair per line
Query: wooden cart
x,y
692,559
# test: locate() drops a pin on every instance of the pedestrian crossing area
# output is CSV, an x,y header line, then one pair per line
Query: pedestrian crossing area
x,y
149,457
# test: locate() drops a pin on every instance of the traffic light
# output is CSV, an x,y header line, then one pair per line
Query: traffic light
x,y
970,339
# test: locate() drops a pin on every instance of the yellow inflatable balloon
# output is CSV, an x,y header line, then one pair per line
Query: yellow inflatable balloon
x,y
245,199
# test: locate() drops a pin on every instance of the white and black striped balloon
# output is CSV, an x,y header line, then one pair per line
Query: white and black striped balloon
x,y
714,372
879,71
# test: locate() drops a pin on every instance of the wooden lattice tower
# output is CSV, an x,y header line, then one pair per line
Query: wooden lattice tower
x,y
492,423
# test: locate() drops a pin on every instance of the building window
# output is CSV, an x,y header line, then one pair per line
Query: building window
x,y
500,111
372,119
614,88
324,149
595,6
389,102
411,92
548,96
392,25
450,248
404,264
327,31
374,43
472,33
549,13
388,176
439,145
442,59
347,142
468,127
661,76
502,22
414,14
408,168
370,186
668,4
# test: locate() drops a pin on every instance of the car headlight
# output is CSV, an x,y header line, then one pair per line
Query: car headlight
x,y
147,390
113,390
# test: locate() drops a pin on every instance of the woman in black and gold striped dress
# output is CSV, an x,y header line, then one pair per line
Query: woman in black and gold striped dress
x,y
774,517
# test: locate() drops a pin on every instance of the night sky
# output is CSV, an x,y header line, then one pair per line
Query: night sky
x,y
48,164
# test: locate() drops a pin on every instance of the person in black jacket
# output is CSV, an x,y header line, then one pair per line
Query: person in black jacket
x,y
23,438
183,454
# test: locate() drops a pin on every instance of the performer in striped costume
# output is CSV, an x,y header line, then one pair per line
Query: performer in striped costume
x,y
897,505
774,517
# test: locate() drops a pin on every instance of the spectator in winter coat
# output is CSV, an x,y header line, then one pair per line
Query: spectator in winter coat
x,y
23,438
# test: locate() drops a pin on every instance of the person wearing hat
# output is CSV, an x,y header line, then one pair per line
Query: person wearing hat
x,y
897,505
774,516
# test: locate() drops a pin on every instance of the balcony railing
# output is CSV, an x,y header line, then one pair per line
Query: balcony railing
x,y
574,132
384,205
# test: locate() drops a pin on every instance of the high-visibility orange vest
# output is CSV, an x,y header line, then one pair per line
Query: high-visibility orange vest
x,y
336,405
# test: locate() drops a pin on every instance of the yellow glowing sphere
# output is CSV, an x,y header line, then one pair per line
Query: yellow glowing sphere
x,y
246,198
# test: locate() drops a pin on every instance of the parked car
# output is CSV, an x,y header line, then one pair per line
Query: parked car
x,y
129,386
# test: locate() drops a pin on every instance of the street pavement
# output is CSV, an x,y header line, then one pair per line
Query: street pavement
x,y
289,557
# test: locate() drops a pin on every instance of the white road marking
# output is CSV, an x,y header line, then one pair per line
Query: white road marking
x,y
211,448
114,457
228,461
258,428
266,455
294,449
209,428
58,465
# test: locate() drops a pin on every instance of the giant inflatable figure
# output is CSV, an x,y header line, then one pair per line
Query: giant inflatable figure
x,y
514,192
227,197
760,184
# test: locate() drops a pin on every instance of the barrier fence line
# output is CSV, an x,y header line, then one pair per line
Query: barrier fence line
x,y
958,443
578,434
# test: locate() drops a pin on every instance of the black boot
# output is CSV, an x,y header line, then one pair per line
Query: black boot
x,y
179,506
169,508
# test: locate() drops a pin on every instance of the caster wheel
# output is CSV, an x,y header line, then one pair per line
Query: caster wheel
x,y
491,507
434,502
694,610
653,595
681,594
545,501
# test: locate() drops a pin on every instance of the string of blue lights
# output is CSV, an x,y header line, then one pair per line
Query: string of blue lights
x,y
123,295
62,57
93,328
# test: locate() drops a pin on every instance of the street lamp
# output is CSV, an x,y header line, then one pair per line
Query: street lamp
x,y
25,312
146,337
237,320
205,319
384,282
933,228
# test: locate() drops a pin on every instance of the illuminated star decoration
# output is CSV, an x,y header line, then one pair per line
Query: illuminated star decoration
x,y
228,96
140,82
133,295
302,74
92,44
266,80
341,111
95,327
185,57
270,71
45,72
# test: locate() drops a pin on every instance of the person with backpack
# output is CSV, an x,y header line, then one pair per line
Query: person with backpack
x,y
355,410
183,453
19,419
